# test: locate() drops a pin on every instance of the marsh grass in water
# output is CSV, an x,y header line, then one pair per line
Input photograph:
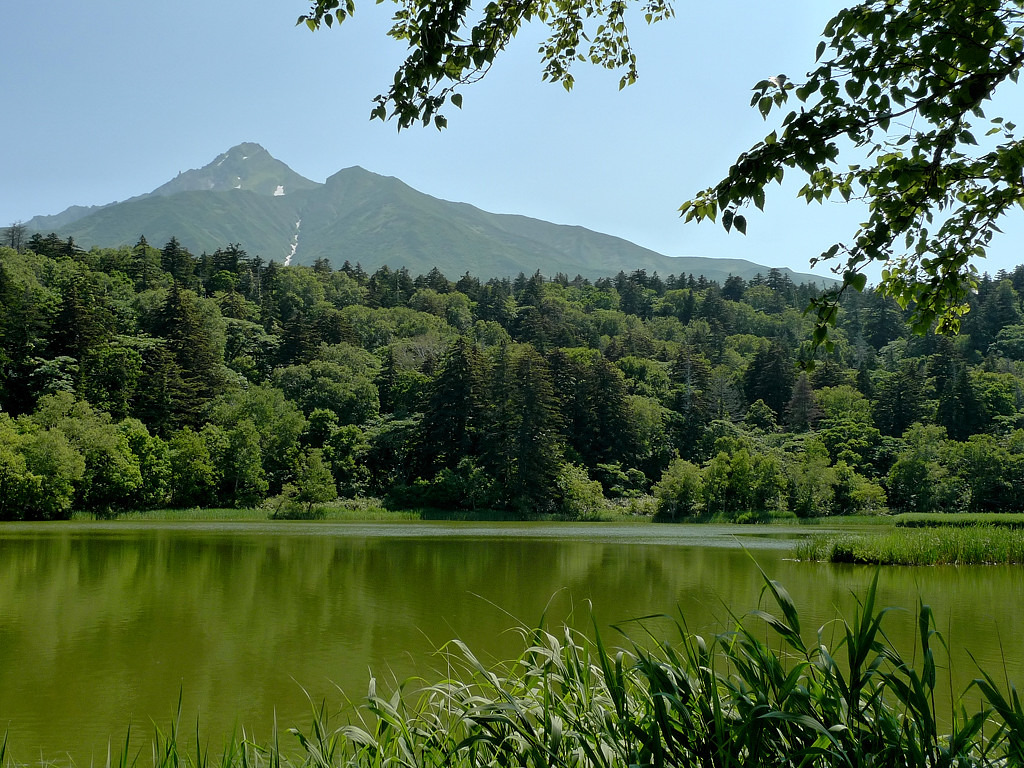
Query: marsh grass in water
x,y
758,695
974,545
960,519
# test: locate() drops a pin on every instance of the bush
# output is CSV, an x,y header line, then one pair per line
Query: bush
x,y
680,492
578,496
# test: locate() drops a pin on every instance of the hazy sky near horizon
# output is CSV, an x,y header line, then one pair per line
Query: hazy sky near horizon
x,y
109,99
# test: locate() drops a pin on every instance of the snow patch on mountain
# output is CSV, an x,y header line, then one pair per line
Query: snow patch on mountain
x,y
279,192
295,243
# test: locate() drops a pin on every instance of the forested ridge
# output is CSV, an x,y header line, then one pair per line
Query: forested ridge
x,y
145,377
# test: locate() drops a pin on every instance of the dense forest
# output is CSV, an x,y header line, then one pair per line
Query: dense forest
x,y
145,377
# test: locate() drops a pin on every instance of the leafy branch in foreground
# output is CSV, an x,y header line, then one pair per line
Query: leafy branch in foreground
x,y
903,84
448,50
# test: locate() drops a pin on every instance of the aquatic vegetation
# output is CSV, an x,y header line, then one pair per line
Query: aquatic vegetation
x,y
961,519
949,545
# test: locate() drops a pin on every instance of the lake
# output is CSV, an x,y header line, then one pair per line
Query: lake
x,y
103,624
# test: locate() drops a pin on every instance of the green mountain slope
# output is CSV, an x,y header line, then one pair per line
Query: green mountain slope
x,y
248,197
202,221
63,219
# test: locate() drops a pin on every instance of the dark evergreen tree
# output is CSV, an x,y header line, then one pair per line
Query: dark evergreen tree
x,y
802,412
769,377
881,319
82,321
299,340
176,260
22,324
69,249
607,434
996,306
828,374
960,410
435,280
899,399
470,286
943,364
50,245
690,376
733,288
270,295
144,265
191,344
228,259
523,449
388,288
455,411
635,299
160,403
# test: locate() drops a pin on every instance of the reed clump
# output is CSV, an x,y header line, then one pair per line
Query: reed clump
x,y
959,519
757,696
951,545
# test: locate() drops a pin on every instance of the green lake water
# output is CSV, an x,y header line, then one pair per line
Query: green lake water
x,y
101,625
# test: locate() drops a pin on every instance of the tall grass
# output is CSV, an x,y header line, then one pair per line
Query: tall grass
x,y
758,695
976,545
959,519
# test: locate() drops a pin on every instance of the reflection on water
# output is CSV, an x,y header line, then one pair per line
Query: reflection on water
x,y
102,625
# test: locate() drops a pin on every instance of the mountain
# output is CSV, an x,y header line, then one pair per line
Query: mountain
x,y
247,196
248,167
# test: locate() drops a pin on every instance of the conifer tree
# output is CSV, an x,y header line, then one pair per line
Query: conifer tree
x,y
801,411
769,377
191,345
959,409
176,259
82,322
523,449
144,266
454,414
607,435
899,399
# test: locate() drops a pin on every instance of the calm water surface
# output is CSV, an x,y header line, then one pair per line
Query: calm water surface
x,y
101,625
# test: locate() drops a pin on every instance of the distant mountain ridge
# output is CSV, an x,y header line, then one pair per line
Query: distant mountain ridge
x,y
247,196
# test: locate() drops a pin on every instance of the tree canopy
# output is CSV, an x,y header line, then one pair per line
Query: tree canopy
x,y
900,92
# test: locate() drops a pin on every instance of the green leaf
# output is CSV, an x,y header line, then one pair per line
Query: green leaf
x,y
740,223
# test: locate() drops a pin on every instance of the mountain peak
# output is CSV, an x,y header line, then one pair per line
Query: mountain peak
x,y
245,166
243,151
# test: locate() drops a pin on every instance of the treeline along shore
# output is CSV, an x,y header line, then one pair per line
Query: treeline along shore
x,y
143,377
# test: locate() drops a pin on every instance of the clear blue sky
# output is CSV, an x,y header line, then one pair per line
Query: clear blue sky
x,y
108,99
